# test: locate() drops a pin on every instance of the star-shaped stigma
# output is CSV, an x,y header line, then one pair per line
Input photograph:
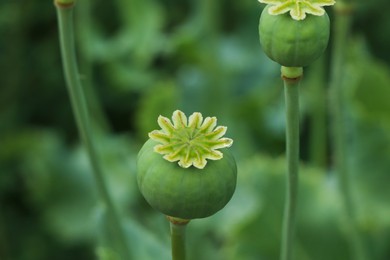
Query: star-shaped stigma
x,y
298,8
190,142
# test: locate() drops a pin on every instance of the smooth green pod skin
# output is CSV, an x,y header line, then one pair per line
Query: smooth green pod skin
x,y
293,43
185,193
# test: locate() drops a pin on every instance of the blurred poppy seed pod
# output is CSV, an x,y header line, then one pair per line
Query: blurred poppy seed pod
x,y
293,43
193,187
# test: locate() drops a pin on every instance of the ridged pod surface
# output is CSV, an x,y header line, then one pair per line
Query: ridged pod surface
x,y
293,43
185,193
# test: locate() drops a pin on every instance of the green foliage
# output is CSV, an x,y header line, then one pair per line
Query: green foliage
x,y
140,59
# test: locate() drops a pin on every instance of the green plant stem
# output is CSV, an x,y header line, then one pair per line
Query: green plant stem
x,y
342,24
291,77
65,20
178,241
84,34
318,114
208,16
178,238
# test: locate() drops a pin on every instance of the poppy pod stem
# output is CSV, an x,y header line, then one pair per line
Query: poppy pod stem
x,y
77,97
291,78
294,34
178,233
178,237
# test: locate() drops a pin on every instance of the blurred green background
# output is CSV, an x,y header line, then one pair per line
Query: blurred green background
x,y
142,58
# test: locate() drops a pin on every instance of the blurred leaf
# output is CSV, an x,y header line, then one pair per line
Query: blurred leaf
x,y
368,114
138,40
368,87
143,243
105,253
44,208
249,227
160,99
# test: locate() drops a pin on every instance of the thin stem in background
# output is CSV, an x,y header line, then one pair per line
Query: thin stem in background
x,y
79,106
342,24
318,114
291,77
84,33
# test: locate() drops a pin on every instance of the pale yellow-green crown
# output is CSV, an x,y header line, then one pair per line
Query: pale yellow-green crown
x,y
190,142
297,8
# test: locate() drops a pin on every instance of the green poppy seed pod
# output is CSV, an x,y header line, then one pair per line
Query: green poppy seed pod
x,y
193,187
293,43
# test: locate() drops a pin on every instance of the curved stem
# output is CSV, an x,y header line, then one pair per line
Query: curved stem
x,y
342,23
94,105
178,238
65,19
291,77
